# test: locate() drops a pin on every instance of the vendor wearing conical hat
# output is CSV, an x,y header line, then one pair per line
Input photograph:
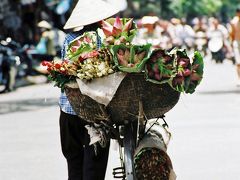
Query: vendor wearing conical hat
x,y
83,162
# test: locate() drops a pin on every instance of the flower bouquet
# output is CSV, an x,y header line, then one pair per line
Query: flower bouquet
x,y
196,73
61,72
83,44
164,74
131,58
160,67
175,68
151,160
153,163
83,60
118,31
94,64
189,72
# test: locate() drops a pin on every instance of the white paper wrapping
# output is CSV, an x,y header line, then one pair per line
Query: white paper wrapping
x,y
101,89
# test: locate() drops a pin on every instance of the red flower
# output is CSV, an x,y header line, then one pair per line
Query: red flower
x,y
46,63
57,66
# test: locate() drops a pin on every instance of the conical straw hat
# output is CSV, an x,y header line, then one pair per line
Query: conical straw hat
x,y
90,11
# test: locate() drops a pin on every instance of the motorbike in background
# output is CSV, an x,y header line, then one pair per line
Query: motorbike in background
x,y
8,67
17,65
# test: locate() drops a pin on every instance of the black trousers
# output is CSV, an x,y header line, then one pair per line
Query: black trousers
x,y
83,163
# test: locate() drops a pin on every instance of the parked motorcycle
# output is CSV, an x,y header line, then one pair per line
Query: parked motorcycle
x,y
8,67
15,64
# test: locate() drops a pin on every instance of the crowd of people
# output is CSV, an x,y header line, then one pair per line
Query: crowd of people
x,y
197,34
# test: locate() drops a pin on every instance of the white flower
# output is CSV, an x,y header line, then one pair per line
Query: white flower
x,y
101,66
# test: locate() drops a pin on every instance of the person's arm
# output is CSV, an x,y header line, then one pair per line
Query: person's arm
x,y
232,33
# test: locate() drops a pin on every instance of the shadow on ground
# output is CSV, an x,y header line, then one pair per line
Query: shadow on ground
x,y
26,105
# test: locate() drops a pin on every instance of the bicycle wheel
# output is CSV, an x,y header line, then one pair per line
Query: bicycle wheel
x,y
129,144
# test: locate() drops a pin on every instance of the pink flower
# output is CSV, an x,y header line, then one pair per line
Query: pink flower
x,y
87,39
91,54
117,28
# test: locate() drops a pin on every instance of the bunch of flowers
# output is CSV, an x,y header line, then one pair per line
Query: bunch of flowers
x,y
61,72
160,67
151,160
83,60
118,30
131,58
153,163
95,64
81,46
175,68
189,72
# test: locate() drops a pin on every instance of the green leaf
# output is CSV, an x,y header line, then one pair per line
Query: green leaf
x,y
198,59
83,48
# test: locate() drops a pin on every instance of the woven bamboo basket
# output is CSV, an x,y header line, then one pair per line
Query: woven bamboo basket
x,y
157,100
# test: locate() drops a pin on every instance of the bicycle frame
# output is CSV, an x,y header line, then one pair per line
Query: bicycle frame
x,y
132,132
129,143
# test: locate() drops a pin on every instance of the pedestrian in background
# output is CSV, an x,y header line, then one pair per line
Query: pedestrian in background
x,y
46,43
235,37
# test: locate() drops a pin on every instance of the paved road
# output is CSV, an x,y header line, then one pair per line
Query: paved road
x,y
205,128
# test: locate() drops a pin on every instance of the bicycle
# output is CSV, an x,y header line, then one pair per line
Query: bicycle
x,y
132,134
126,116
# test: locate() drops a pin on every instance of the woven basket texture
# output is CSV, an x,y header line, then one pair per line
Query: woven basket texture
x,y
157,100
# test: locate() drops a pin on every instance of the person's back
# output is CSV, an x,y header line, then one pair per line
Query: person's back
x,y
217,29
235,37
235,24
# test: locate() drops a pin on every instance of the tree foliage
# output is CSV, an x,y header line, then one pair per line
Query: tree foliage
x,y
185,8
192,8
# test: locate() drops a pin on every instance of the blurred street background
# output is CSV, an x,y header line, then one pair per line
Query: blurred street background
x,y
205,125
